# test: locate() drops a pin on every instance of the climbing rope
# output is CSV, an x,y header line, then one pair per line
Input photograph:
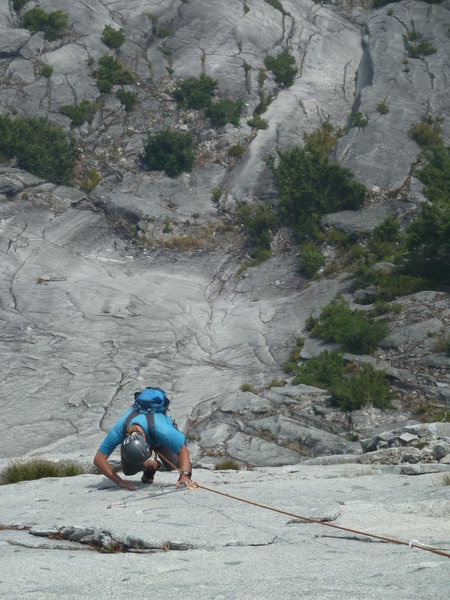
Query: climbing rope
x,y
411,544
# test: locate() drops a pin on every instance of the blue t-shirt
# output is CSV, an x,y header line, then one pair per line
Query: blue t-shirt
x,y
165,433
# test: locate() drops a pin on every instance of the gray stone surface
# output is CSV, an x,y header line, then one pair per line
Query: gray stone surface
x,y
199,544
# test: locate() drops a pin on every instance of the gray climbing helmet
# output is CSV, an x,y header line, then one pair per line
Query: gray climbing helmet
x,y
135,449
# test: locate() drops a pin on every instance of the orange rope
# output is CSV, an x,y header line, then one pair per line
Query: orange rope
x,y
412,544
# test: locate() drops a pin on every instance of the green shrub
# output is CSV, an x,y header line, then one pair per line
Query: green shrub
x,y
311,186
382,108
80,113
354,330
426,133
420,49
428,244
384,240
91,180
258,220
110,72
283,68
357,120
46,71
128,99
38,468
276,4
224,111
170,151
310,259
320,142
290,365
52,24
276,383
18,4
40,147
195,93
364,386
113,38
320,371
435,175
227,464
216,194
246,387
351,387
236,151
257,122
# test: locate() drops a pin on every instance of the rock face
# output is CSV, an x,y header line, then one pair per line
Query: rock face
x,y
208,546
138,281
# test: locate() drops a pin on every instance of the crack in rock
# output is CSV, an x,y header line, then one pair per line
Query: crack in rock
x,y
104,541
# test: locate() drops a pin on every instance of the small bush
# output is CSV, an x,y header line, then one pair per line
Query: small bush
x,y
246,387
227,465
276,4
435,175
352,387
364,386
357,120
18,4
80,113
91,180
46,71
113,38
283,68
236,151
310,259
170,151
258,220
426,133
428,244
128,99
216,194
310,186
110,72
294,356
40,147
420,49
354,330
257,122
382,108
320,371
224,111
38,468
52,24
276,383
195,93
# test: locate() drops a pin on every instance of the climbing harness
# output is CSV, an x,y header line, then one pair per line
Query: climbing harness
x,y
412,544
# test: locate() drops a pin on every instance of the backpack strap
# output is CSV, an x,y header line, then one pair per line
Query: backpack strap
x,y
150,423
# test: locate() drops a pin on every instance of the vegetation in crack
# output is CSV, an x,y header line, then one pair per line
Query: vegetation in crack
x,y
111,72
41,148
170,151
198,94
113,38
276,4
127,99
420,254
355,331
309,186
38,468
283,67
80,113
351,385
52,24
195,93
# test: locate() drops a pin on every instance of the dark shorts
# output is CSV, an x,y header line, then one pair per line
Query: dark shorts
x,y
129,468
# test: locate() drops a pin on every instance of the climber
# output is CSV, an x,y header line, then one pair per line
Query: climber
x,y
142,429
